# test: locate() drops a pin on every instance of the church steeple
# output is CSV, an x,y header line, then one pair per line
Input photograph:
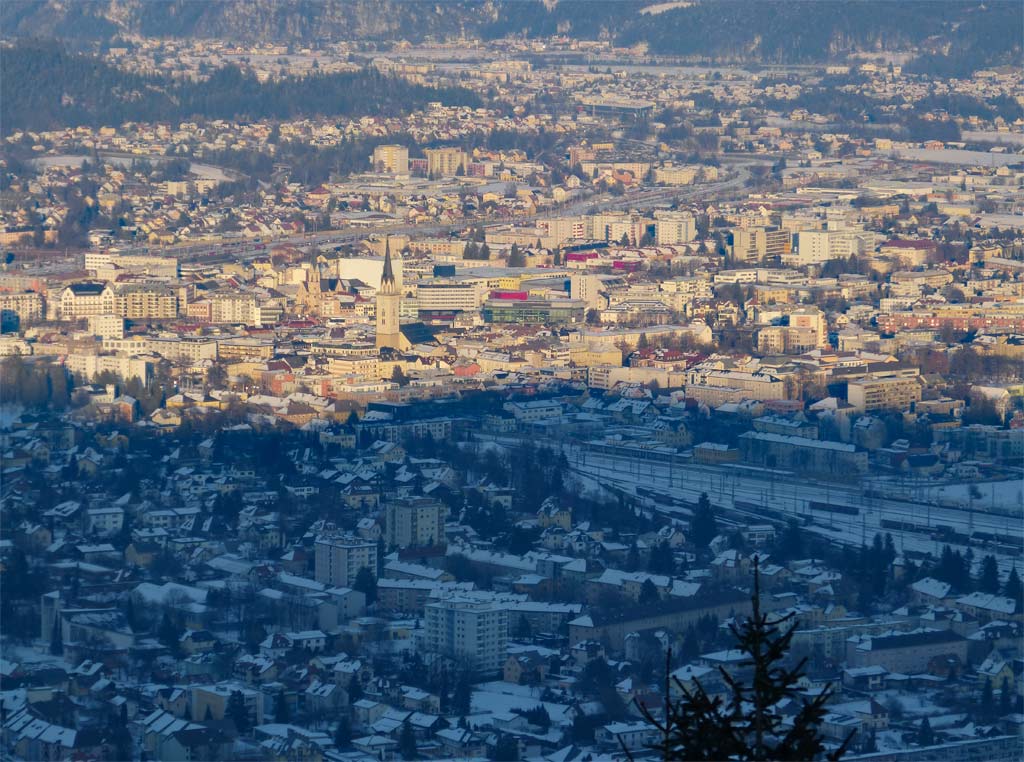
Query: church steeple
x,y
388,276
388,304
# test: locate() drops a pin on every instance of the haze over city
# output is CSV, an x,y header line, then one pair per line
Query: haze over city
x,y
511,380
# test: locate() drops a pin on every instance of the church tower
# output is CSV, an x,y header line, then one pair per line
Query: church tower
x,y
388,297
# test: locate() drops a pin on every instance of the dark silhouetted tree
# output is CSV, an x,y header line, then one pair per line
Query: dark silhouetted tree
x,y
407,741
366,584
988,580
750,725
925,736
703,527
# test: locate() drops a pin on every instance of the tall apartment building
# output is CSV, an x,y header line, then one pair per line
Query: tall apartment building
x,y
896,392
18,309
472,632
674,227
446,162
338,558
234,308
563,229
414,521
611,226
392,159
145,301
587,289
808,329
755,244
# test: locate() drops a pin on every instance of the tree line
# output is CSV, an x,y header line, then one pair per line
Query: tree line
x,y
90,91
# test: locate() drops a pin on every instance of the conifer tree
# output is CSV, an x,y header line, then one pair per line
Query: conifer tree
x,y
703,527
343,733
987,701
750,725
56,638
988,580
407,742
925,736
1013,588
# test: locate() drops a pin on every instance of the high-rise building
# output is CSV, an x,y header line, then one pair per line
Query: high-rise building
x,y
414,521
388,305
446,162
586,288
338,558
674,227
392,159
472,632
754,244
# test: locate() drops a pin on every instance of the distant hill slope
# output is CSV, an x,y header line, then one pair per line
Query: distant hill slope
x,y
58,88
953,35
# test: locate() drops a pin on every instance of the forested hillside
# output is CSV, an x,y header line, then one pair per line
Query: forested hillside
x,y
57,88
952,35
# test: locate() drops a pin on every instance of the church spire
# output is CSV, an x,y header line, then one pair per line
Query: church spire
x,y
388,275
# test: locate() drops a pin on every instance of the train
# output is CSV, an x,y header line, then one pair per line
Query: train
x,y
848,510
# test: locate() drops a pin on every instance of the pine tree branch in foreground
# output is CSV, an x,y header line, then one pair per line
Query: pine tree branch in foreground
x,y
750,726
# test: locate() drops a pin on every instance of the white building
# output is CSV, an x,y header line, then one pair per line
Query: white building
x,y
674,227
470,631
338,558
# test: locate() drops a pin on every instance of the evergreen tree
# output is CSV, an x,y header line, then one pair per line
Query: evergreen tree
x,y
343,733
790,544
703,527
1004,697
281,711
463,694
661,560
691,645
237,712
988,580
56,637
407,742
366,584
987,701
925,736
648,593
633,557
523,630
1013,588
750,726
169,633
506,749
398,376
355,689
516,257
